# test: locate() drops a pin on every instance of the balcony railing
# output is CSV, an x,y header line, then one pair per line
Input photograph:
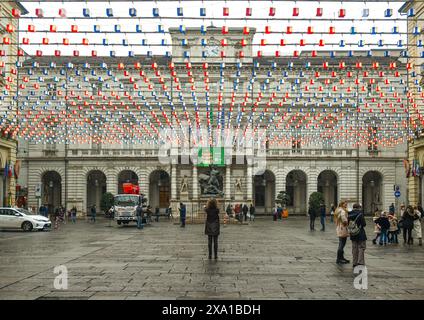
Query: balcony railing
x,y
113,153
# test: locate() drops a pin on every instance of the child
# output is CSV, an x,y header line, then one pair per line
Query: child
x,y
376,227
393,230
384,224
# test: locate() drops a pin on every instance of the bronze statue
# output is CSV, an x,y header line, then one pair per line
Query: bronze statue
x,y
211,184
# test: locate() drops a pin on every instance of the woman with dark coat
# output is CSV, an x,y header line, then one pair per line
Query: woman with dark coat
x,y
212,226
408,225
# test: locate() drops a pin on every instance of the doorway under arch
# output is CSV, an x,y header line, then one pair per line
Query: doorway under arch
x,y
372,187
159,189
327,185
52,190
96,187
264,192
296,189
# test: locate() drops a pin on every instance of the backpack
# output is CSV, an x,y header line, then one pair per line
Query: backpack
x,y
353,227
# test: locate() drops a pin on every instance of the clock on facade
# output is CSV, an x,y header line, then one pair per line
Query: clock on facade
x,y
212,51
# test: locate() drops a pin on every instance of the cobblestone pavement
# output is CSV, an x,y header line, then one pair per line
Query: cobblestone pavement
x,y
262,260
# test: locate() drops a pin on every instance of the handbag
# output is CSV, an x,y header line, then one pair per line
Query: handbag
x,y
400,224
353,227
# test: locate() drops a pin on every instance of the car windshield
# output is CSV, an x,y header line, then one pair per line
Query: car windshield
x,y
26,211
126,201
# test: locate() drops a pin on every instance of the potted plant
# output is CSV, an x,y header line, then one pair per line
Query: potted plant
x,y
106,202
283,199
316,200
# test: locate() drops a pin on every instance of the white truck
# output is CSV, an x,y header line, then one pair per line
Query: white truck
x,y
125,206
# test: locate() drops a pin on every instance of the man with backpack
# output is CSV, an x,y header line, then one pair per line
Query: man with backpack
x,y
356,228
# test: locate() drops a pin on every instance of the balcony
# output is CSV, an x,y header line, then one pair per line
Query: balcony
x,y
112,153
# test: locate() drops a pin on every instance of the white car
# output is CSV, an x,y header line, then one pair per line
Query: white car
x,y
17,218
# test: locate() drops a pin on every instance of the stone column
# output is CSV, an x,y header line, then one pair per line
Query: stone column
x,y
228,182
173,182
249,182
195,184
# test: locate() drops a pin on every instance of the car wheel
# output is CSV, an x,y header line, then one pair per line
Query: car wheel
x,y
27,226
119,223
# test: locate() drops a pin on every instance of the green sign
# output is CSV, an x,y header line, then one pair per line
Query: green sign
x,y
211,155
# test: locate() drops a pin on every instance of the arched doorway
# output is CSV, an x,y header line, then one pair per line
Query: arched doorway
x,y
327,185
296,189
52,190
126,176
264,192
96,187
159,189
372,187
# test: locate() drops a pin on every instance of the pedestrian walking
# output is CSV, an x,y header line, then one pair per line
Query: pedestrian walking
x,y
359,240
417,226
212,227
377,228
245,211
407,223
384,223
139,215
252,212
183,212
93,213
322,216
341,220
312,216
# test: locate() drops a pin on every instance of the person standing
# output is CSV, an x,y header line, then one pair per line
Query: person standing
x,y
139,215
56,218
393,230
183,212
384,224
392,209
377,228
359,240
279,212
312,216
332,212
237,211
322,216
417,226
93,213
407,225
74,214
252,212
212,227
245,211
341,220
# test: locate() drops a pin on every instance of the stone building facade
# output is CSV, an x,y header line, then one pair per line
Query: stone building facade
x,y
78,173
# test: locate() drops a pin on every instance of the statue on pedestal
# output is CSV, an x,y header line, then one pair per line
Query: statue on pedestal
x,y
238,185
211,185
184,185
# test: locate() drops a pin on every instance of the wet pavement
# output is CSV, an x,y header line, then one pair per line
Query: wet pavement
x,y
261,260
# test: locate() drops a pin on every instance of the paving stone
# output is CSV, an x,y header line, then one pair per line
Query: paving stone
x,y
281,261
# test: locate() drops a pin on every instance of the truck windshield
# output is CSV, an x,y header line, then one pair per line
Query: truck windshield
x,y
126,200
